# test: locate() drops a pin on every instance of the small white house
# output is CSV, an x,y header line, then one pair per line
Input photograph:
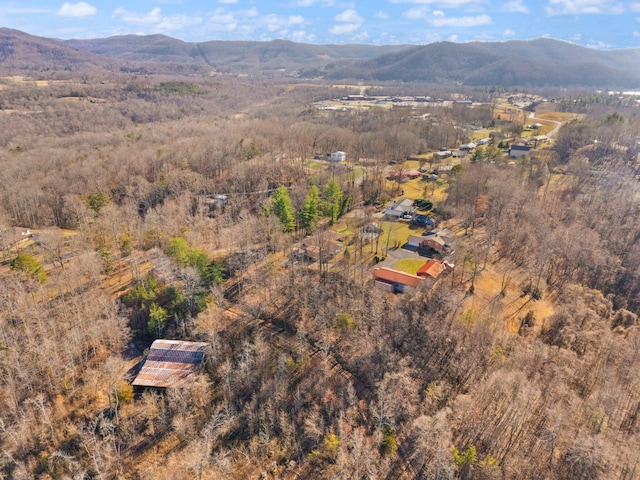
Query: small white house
x,y
519,150
338,156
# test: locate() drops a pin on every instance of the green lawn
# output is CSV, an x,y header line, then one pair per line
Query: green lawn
x,y
399,233
409,265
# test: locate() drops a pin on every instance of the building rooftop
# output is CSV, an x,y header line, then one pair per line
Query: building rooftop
x,y
432,269
396,276
170,363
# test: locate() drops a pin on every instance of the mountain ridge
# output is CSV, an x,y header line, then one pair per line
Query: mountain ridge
x,y
540,62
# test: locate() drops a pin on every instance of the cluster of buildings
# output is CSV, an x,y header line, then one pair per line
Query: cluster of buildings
x,y
395,281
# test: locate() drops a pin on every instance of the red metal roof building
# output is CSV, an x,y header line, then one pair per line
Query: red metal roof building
x,y
170,363
394,280
431,269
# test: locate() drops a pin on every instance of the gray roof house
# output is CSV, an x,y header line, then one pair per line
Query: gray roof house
x,y
396,210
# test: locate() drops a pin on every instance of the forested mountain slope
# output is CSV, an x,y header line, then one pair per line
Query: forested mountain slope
x,y
234,56
538,63
521,362
22,51
534,63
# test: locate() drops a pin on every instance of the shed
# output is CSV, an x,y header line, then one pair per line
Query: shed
x,y
170,363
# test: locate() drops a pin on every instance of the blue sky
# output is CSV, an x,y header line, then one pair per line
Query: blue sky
x,y
602,24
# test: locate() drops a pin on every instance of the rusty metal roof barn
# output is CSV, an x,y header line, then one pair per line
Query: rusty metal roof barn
x,y
170,363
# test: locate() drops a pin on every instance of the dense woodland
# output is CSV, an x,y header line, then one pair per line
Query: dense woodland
x,y
310,373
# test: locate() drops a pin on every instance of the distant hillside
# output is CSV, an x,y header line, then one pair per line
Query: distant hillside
x,y
541,62
19,50
236,56
535,63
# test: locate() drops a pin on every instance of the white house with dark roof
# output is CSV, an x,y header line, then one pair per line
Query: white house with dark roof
x,y
517,151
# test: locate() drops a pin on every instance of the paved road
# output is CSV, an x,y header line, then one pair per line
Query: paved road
x,y
554,130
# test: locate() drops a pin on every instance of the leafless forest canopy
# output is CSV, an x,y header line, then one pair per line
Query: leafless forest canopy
x,y
310,373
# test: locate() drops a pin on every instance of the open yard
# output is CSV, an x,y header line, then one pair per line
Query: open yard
x,y
558,116
487,301
409,265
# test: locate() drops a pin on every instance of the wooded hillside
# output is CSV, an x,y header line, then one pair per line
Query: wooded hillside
x,y
174,207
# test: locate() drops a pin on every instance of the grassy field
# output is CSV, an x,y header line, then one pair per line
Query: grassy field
x,y
487,302
558,116
482,133
409,265
395,233
418,188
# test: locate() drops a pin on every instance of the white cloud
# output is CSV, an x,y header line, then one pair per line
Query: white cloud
x,y
634,7
20,10
508,33
251,24
80,9
515,6
139,18
382,15
453,38
156,19
416,13
302,36
309,3
351,23
252,12
597,44
221,21
228,1
461,21
583,7
636,34
438,13
349,16
444,3
360,37
344,28
275,23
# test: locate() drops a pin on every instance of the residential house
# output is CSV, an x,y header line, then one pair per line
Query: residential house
x,y
435,243
442,154
431,269
517,151
338,156
14,238
404,174
395,281
368,161
415,241
441,240
170,363
399,209
323,246
468,146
